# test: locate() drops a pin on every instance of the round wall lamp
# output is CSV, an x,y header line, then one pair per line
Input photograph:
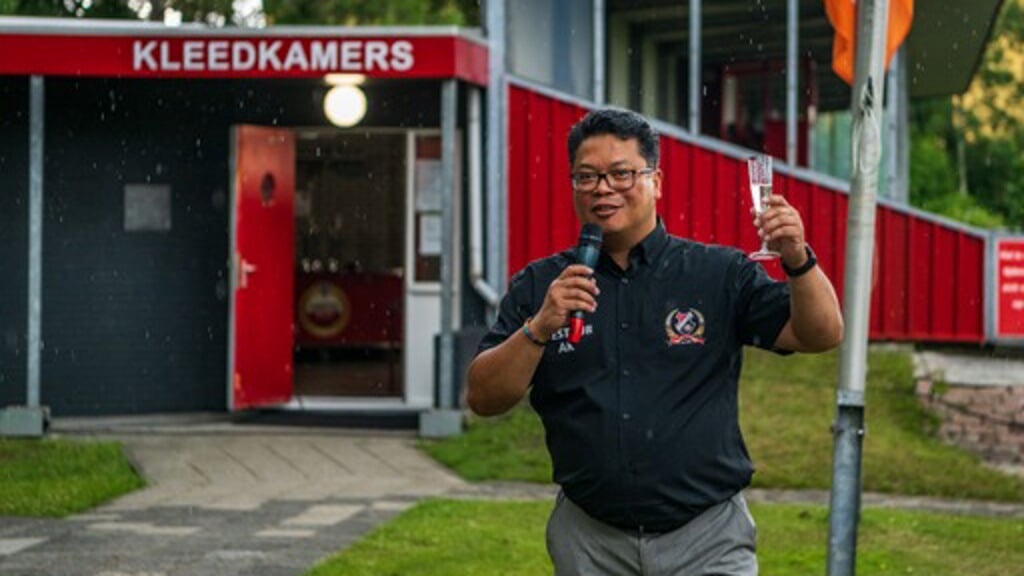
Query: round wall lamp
x,y
345,105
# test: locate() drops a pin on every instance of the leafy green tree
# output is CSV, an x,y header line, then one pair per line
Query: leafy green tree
x,y
994,113
338,12
991,127
75,8
372,12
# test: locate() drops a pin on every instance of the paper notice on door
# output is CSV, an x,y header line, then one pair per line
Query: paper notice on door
x,y
428,185
430,235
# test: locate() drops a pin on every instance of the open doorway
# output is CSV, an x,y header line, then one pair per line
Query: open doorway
x,y
349,253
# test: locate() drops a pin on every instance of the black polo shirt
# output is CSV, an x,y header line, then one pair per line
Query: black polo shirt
x,y
641,416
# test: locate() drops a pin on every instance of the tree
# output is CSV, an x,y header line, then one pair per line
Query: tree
x,y
221,12
993,109
989,125
74,8
370,12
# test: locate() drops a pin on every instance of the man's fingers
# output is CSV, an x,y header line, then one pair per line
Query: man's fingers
x,y
580,283
576,270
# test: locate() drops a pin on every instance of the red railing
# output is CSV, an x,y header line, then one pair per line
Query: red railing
x,y
929,273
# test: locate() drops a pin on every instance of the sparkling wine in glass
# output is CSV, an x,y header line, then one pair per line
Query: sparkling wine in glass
x,y
759,169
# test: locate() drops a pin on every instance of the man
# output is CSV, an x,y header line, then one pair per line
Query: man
x,y
641,415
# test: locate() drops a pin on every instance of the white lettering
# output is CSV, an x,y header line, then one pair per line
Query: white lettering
x,y
165,58
351,54
268,55
565,347
296,57
1010,255
376,55
401,55
1017,305
143,55
193,55
1013,272
243,56
217,55
323,55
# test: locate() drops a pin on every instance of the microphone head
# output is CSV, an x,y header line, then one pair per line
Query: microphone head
x,y
591,234
589,246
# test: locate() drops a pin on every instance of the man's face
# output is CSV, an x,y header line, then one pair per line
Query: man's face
x,y
625,215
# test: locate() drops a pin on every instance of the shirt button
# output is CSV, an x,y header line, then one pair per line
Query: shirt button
x,y
625,372
624,325
625,416
625,280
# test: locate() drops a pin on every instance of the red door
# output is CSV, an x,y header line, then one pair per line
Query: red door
x,y
263,239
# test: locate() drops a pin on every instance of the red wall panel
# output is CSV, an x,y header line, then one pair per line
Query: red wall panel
x,y
893,284
970,289
928,278
701,188
920,279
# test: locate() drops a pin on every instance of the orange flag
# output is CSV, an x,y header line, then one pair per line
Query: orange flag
x,y
843,16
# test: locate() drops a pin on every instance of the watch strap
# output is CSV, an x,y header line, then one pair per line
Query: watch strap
x,y
804,268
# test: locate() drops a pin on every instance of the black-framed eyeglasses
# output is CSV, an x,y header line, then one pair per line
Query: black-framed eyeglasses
x,y
620,179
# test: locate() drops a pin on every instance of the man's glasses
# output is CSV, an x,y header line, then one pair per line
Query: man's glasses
x,y
619,180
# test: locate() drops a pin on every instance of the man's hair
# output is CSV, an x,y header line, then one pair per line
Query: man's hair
x,y
623,124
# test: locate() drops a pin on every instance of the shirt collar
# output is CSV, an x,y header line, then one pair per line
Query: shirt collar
x,y
652,245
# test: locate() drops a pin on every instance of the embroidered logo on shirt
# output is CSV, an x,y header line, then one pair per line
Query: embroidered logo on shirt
x,y
684,327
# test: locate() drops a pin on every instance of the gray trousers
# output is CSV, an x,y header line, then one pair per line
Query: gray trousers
x,y
719,542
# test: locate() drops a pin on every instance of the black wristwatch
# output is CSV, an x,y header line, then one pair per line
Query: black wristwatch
x,y
811,262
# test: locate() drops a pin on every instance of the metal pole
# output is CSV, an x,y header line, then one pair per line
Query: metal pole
x,y
792,78
891,118
848,430
30,420
449,110
497,103
599,64
902,128
695,63
35,237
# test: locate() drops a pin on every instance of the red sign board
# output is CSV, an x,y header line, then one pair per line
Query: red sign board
x,y
231,55
1009,263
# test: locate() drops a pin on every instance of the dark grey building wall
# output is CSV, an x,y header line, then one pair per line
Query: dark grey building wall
x,y
13,237
136,322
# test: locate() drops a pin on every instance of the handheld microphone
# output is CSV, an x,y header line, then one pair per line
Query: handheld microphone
x,y
587,250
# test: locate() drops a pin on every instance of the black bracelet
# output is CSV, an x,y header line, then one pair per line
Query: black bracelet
x,y
804,268
530,335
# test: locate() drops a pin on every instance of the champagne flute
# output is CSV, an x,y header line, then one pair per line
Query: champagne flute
x,y
759,170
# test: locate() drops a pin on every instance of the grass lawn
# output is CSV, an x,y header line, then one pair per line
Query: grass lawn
x,y
787,407
453,538
53,477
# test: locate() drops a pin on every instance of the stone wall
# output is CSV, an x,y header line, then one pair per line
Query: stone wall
x,y
985,419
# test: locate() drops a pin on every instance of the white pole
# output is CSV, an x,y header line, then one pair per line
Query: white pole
x,y
868,91
792,78
599,41
695,64
35,238
497,104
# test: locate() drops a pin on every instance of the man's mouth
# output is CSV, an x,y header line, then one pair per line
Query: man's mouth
x,y
604,210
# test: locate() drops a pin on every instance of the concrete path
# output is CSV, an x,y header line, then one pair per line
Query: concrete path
x,y
225,500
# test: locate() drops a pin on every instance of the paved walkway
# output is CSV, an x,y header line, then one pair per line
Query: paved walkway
x,y
225,500
228,500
